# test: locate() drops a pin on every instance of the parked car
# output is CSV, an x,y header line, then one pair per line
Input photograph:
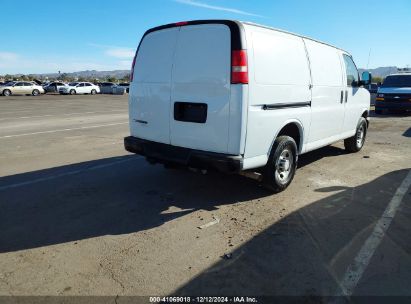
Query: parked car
x,y
107,87
21,88
259,98
54,87
394,93
79,88
125,86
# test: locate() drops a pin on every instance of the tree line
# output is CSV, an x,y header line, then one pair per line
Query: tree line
x,y
66,78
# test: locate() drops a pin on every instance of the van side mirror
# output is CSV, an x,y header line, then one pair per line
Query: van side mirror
x,y
366,78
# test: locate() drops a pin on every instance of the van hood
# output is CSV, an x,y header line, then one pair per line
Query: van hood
x,y
393,90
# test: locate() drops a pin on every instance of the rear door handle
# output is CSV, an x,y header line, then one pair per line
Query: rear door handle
x,y
342,97
141,121
346,96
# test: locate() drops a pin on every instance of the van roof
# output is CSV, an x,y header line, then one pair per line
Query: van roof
x,y
291,33
193,22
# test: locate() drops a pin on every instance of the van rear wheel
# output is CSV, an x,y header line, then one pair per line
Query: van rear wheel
x,y
355,143
282,164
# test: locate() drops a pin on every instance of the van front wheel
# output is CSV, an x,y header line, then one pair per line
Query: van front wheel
x,y
282,164
355,143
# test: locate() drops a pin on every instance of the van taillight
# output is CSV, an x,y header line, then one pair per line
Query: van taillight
x,y
132,67
239,67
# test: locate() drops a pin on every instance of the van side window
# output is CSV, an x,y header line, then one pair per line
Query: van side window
x,y
352,72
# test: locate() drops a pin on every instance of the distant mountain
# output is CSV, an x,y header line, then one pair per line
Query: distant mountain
x,y
381,71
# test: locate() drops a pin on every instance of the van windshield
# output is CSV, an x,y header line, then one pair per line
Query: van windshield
x,y
397,81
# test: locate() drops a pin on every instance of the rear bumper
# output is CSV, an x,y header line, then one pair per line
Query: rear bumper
x,y
393,105
166,154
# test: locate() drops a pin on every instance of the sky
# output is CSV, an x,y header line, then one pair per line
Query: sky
x,y
49,36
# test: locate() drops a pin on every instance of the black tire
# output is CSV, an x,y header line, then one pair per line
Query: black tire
x,y
72,92
356,142
378,111
6,92
93,92
280,169
35,92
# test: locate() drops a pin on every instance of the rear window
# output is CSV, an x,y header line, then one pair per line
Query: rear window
x,y
397,81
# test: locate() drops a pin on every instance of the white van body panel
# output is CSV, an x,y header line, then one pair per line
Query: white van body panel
x,y
201,74
354,102
278,74
292,81
327,107
238,119
149,99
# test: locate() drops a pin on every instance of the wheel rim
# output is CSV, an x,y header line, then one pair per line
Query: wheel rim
x,y
6,93
284,166
360,135
35,93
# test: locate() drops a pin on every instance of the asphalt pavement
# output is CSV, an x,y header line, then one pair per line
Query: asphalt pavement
x,y
81,216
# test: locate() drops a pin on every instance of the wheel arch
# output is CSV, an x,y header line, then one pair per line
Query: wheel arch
x,y
365,113
292,128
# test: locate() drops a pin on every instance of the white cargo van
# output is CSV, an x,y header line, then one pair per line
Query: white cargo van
x,y
237,96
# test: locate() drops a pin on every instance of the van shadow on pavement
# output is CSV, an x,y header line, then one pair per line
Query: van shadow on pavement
x,y
94,198
112,196
308,251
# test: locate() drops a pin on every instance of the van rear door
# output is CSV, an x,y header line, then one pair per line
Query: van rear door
x,y
149,100
200,90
